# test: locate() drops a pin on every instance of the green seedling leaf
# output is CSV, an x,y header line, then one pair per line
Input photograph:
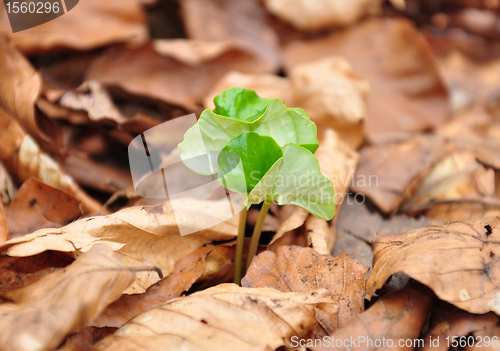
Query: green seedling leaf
x,y
213,131
257,155
241,104
296,179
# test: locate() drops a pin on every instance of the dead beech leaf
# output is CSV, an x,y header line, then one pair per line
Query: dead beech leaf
x,y
38,205
19,88
311,15
143,236
185,273
95,99
397,62
265,85
294,220
62,302
301,269
333,96
221,317
457,188
386,172
457,261
4,231
23,157
242,23
396,316
191,51
449,321
92,24
164,78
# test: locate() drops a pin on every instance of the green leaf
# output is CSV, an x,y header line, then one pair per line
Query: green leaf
x,y
240,103
257,155
296,179
213,132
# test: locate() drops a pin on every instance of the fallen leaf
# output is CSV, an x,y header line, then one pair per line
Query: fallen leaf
x,y
141,235
164,78
7,187
353,246
333,96
92,24
17,272
294,220
221,317
62,302
299,269
395,316
314,15
38,205
185,273
457,261
449,322
457,188
23,157
386,172
239,22
4,231
265,85
95,99
397,62
363,221
19,88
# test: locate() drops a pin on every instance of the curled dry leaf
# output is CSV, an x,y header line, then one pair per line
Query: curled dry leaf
x,y
38,205
299,269
4,231
92,24
457,261
332,95
62,302
95,99
19,88
265,85
23,157
242,23
321,14
386,172
448,321
141,235
221,317
396,316
397,62
185,273
457,188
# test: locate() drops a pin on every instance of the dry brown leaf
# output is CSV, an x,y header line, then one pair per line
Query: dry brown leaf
x,y
449,322
4,231
311,15
17,272
265,85
23,157
353,246
396,316
386,172
294,220
141,235
242,23
164,78
19,88
95,99
185,273
457,261
301,269
457,188
220,318
7,187
93,23
62,302
333,96
397,62
38,205
192,52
